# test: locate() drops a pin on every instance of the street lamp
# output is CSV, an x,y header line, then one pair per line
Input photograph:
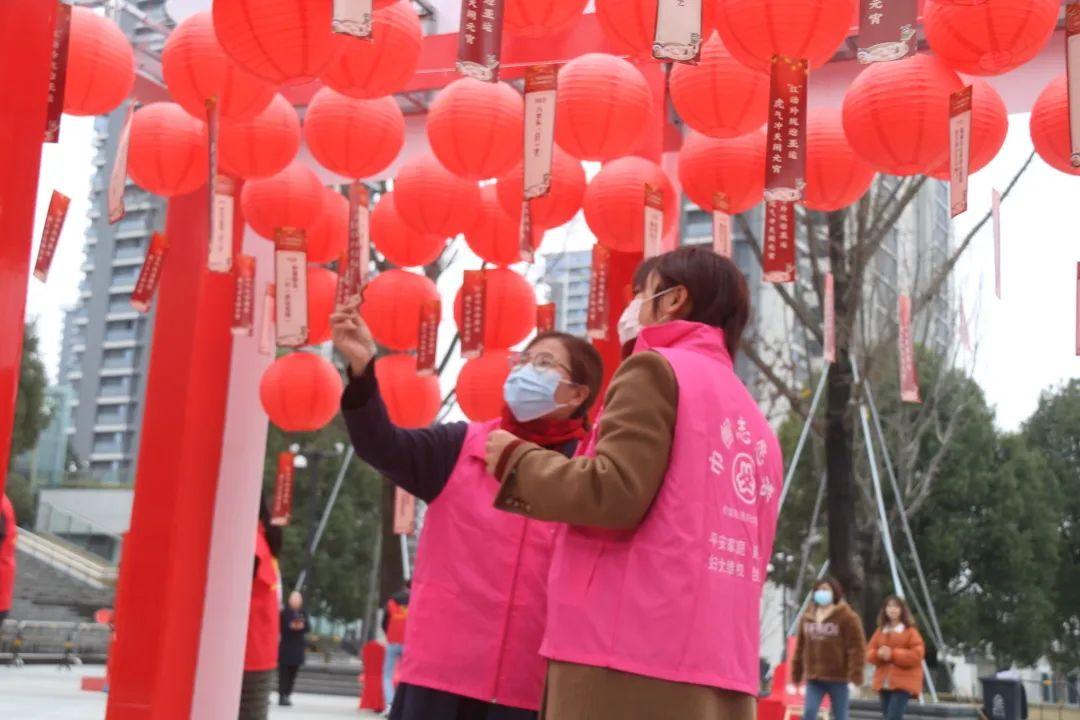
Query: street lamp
x,y
310,459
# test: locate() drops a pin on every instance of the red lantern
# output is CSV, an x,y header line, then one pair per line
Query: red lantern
x,y
398,242
989,126
541,18
168,152
100,65
561,203
990,38
282,41
263,145
353,138
432,200
329,233
495,235
896,114
391,307
615,202
602,107
755,30
322,294
480,385
1050,126
292,198
412,400
509,308
301,392
630,25
733,166
383,65
719,96
476,128
197,69
835,176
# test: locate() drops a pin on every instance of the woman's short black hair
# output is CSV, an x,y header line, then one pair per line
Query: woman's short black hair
x,y
586,365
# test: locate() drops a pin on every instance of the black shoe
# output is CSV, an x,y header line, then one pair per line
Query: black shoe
x,y
284,701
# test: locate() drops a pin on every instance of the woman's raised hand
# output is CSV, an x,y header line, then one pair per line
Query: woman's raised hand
x,y
351,335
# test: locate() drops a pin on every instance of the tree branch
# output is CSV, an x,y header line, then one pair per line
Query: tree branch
x,y
782,387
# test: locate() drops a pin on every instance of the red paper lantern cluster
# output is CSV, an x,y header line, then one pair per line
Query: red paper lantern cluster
x,y
719,96
476,128
291,198
196,69
480,385
301,392
351,137
167,154
615,202
896,114
329,233
835,176
412,400
391,307
541,18
561,203
495,234
1050,126
755,30
433,200
321,296
992,37
380,66
630,25
732,166
263,145
989,126
281,41
509,308
398,242
100,65
602,107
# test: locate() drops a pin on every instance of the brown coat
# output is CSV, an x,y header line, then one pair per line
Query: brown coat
x,y
903,670
830,647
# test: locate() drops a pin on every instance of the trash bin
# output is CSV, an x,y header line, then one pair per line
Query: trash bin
x,y
1004,699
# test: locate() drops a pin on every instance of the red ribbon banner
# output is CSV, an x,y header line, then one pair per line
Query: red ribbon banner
x,y
959,149
58,71
597,315
473,297
150,274
427,348
909,381
540,89
480,39
887,30
243,322
654,221
778,253
404,513
50,234
545,318
290,280
283,489
721,225
118,177
359,248
830,319
1072,68
785,164
352,17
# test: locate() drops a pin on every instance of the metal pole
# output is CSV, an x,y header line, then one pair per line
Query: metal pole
x,y
794,462
325,516
406,571
807,547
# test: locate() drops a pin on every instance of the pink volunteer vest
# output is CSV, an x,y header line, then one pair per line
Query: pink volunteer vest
x,y
479,591
678,598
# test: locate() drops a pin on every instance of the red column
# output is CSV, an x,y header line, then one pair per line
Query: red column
x,y
26,29
163,568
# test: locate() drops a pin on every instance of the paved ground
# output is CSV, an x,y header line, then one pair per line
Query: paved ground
x,y
41,692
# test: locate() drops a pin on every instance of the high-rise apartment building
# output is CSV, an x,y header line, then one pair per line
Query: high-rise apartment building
x,y
567,274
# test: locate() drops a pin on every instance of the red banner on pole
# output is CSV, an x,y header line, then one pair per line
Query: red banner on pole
x,y
427,348
473,301
267,331
480,39
909,381
352,17
118,177
359,249
244,296
959,148
283,489
150,275
778,253
540,89
995,212
597,315
830,318
290,280
526,230
341,295
678,34
50,234
222,191
1072,67
887,30
785,164
58,71
965,336
654,221
721,225
545,318
404,513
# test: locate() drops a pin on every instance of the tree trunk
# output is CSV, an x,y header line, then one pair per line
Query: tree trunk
x,y
391,571
840,483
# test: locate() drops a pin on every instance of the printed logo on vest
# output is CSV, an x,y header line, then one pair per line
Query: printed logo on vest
x,y
726,433
743,432
761,451
716,462
742,475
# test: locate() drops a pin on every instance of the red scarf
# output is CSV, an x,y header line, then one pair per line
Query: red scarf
x,y
545,432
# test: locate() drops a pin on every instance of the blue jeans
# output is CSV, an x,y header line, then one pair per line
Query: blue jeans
x,y
838,692
893,704
393,657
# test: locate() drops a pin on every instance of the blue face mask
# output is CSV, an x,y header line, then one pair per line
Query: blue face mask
x,y
530,393
823,597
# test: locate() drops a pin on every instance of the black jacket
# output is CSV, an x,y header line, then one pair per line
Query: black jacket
x,y
294,628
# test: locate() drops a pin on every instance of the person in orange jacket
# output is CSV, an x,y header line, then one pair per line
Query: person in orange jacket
x,y
896,651
264,627
8,531
397,614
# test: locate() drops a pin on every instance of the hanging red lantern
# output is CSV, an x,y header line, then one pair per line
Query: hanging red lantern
x,y
509,308
602,107
399,243
561,203
732,166
380,66
615,202
989,126
412,400
835,176
167,154
990,38
301,392
755,30
281,41
100,65
1050,126
260,146
630,25
329,233
480,385
495,234
896,114
432,200
291,198
476,128
322,295
719,96
541,18
196,69
351,137
391,307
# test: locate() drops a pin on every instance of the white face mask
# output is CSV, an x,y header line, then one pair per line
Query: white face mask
x,y
629,322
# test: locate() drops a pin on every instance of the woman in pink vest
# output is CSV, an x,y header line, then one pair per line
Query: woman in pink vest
x,y
656,583
476,615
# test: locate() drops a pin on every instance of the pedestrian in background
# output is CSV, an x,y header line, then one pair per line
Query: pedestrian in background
x,y
294,630
829,653
8,533
394,620
896,651
264,631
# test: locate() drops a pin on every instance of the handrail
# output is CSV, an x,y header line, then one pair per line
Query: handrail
x,y
97,529
97,575
51,521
